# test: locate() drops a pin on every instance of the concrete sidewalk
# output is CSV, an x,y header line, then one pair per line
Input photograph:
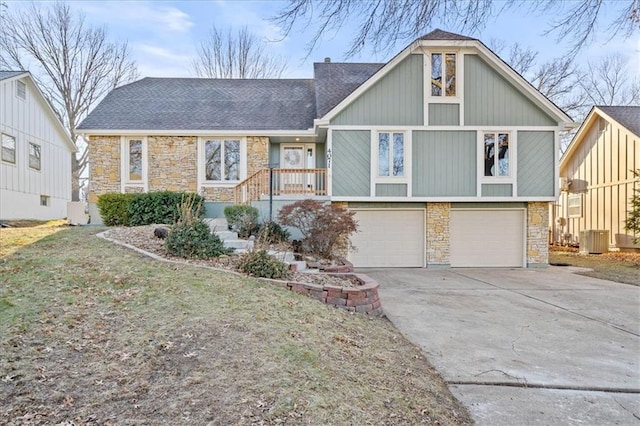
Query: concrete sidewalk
x,y
523,346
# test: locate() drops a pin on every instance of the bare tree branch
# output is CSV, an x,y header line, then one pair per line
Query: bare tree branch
x,y
607,82
383,23
240,55
73,64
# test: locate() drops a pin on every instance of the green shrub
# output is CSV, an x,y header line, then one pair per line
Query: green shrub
x,y
261,264
159,207
114,208
272,233
190,237
242,219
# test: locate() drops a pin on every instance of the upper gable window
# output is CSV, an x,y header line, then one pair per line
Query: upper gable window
x,y
8,149
443,74
21,89
496,155
391,154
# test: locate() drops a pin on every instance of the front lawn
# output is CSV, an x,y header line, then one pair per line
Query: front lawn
x,y
91,332
613,266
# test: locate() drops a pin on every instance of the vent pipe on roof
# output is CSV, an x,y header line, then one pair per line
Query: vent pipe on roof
x,y
327,60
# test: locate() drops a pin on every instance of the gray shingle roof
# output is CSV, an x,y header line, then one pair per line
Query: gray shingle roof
x,y
628,116
335,81
206,104
8,74
438,34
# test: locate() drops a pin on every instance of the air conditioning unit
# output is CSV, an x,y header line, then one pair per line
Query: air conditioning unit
x,y
594,241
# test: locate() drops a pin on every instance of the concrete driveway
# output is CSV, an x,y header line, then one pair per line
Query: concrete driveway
x,y
524,346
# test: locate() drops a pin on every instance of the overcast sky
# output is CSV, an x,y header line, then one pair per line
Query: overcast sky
x,y
164,35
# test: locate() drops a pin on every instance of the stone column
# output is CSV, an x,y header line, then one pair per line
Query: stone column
x,y
537,234
438,234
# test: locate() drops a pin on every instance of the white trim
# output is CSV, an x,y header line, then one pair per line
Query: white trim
x,y
444,128
124,164
329,160
448,199
210,133
200,169
428,71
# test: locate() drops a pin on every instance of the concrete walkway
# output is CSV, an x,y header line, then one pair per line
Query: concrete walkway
x,y
523,346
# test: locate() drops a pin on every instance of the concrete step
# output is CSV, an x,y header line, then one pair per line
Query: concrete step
x,y
238,244
286,257
226,235
217,224
298,265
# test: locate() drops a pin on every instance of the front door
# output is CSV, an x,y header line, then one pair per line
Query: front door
x,y
294,158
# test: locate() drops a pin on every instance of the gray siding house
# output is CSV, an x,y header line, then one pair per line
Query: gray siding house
x,y
446,154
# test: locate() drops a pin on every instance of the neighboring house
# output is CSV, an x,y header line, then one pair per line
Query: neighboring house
x,y
597,177
35,167
446,154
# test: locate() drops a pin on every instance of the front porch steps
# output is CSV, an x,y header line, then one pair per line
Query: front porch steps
x,y
220,227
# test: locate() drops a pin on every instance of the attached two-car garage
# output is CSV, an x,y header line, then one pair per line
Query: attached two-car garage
x,y
478,238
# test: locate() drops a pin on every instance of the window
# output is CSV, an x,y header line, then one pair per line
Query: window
x,y
34,156
391,150
8,149
496,155
135,160
574,205
443,74
21,90
222,159
44,200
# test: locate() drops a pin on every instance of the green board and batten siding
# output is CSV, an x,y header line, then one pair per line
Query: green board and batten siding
x,y
391,190
444,114
351,162
396,99
536,164
490,100
497,190
444,163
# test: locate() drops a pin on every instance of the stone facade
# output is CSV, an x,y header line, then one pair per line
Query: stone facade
x,y
537,234
172,165
104,165
438,233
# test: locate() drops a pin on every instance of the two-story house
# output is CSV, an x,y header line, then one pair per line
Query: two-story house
x,y
446,154
35,165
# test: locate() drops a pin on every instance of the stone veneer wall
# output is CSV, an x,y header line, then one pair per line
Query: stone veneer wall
x,y
537,234
438,234
172,163
104,165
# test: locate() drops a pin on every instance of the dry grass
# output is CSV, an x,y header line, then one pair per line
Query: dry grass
x,y
614,266
91,332
22,233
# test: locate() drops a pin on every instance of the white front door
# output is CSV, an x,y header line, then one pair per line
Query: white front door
x,y
297,156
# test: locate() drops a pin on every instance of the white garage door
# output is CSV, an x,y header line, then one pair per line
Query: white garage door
x,y
389,238
487,238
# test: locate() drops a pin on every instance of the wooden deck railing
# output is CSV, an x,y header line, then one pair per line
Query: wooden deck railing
x,y
311,182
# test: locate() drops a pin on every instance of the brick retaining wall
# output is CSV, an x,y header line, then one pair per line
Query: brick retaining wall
x,y
363,298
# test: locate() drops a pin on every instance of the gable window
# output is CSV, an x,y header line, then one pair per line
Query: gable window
x,y
134,162
34,156
222,159
8,149
21,90
443,74
496,155
391,154
574,205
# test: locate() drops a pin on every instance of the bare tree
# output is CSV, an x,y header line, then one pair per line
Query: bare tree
x,y
607,82
74,64
236,55
382,23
